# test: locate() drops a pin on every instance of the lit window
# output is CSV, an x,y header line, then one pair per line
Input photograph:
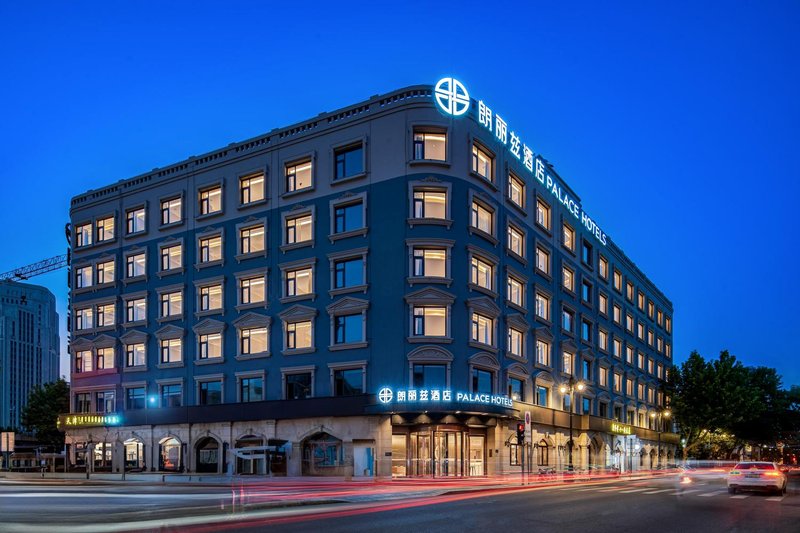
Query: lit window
x,y
603,377
568,278
602,339
299,229
482,218
83,277
515,341
83,235
253,341
430,262
482,163
542,214
348,328
251,189
668,324
105,272
650,309
252,290
84,319
349,162
566,363
135,220
542,353
629,387
640,300
641,360
251,240
617,314
603,267
298,176
211,297
516,190
171,351
211,249
617,280
482,329
568,237
171,257
515,291
617,382
602,303
482,273
211,201
106,315
629,291
105,229
629,322
171,303
135,265
136,310
134,355
617,348
430,321
298,335
430,146
105,359
516,241
171,210
542,306
660,317
299,282
348,217
430,204
629,354
210,346
542,260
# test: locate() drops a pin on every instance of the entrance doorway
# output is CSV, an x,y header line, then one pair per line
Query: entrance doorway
x,y
439,451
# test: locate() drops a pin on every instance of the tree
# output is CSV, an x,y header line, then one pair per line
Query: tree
x,y
40,415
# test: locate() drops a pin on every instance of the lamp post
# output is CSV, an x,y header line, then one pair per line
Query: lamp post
x,y
569,388
658,417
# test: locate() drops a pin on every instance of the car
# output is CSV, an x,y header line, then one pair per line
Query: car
x,y
757,475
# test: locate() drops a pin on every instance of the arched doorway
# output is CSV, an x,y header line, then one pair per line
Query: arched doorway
x,y
250,462
103,452
323,455
597,455
207,456
170,456
543,454
652,459
134,454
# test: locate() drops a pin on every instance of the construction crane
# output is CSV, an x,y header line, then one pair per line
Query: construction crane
x,y
42,267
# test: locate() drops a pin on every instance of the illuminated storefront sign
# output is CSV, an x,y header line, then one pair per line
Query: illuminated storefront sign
x,y
440,396
621,429
74,421
452,99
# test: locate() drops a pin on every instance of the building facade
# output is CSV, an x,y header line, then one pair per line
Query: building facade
x,y
29,346
383,290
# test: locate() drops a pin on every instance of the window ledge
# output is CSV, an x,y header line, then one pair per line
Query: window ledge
x,y
176,364
345,234
543,366
543,320
520,358
519,308
345,179
249,356
209,312
141,368
436,162
484,179
209,264
424,338
170,318
252,255
429,222
134,235
347,346
135,279
518,208
209,361
484,290
105,328
170,272
480,233
206,216
346,290
289,194
136,324
171,225
298,351
254,305
83,290
515,255
542,273
255,203
288,299
482,346
429,279
295,245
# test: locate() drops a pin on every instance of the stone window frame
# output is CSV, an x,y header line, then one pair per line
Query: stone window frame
x,y
429,126
543,290
348,365
486,257
169,289
587,319
299,264
603,259
208,233
84,222
250,223
487,308
132,252
431,355
199,284
292,315
421,242
543,334
347,199
548,250
568,307
138,295
255,171
301,369
539,198
252,320
81,264
169,243
93,305
430,297
487,362
249,274
483,200
105,258
343,307
352,142
133,337
568,346
246,374
564,224
513,174
134,385
210,186
600,311
160,383
574,271
511,223
523,281
209,326
544,379
518,322
169,197
489,181
135,207
207,378
294,160
518,371
298,211
353,253
431,184
608,335
171,332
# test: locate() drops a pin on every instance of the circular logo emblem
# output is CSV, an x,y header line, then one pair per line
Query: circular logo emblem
x,y
451,96
385,395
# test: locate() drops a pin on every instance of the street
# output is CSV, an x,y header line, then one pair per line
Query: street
x,y
656,504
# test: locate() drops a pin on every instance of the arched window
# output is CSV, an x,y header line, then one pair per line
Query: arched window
x,y
134,454
207,454
170,457
544,453
322,453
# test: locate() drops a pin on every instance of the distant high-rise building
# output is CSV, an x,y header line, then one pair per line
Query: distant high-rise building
x,y
29,345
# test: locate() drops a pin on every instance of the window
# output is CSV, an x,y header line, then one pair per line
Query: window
x,y
668,324
254,340
210,346
542,394
586,254
602,267
105,401
136,310
171,257
629,291
587,369
299,229
617,382
567,320
251,239
429,321
516,240
211,249
251,389
135,265
210,393
171,303
348,272
660,371
252,290
617,314
105,272
348,382
298,176
211,200
641,360
171,350
482,163
430,146
134,398
298,386
542,306
602,409
83,235
482,381
617,280
482,273
134,355
542,214
616,348
348,328
515,342
566,363
349,217
629,354
602,339
650,309
640,331
482,218
640,299
211,297
542,260
516,190
667,350
105,358
586,330
83,277
299,282
629,387
660,344
660,317
105,229
349,162
135,220
251,189
602,303
429,375
298,335
83,361
515,291
568,237
171,395
430,204
629,322
542,352
105,315
430,262
650,366
586,292
603,377
568,278
516,389
171,211
84,319
640,391
482,329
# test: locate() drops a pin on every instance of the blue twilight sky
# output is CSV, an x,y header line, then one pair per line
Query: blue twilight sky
x,y
676,125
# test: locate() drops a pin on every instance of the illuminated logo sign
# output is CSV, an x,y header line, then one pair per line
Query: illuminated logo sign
x,y
621,429
407,396
75,421
451,96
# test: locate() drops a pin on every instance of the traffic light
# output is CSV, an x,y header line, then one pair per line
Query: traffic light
x,y
520,432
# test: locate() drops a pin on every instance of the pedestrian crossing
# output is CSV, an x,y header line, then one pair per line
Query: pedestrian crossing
x,y
700,491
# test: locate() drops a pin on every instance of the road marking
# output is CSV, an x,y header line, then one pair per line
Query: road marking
x,y
658,491
709,494
609,489
775,498
740,496
689,491
634,490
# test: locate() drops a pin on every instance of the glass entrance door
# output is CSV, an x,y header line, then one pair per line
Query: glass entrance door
x,y
447,453
476,454
420,448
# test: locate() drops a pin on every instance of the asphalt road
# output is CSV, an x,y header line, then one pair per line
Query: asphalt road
x,y
651,505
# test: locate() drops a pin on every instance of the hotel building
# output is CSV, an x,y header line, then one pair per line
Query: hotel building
x,y
385,289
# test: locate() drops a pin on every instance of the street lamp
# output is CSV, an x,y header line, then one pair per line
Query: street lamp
x,y
570,388
658,417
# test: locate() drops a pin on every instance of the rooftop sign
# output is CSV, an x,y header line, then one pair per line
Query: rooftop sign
x,y
452,99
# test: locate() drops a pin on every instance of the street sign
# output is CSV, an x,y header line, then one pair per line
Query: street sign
x,y
7,441
528,425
